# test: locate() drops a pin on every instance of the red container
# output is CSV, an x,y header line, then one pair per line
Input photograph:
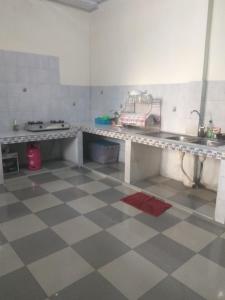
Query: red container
x,y
34,157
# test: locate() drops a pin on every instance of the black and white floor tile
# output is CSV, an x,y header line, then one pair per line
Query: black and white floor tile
x,y
65,235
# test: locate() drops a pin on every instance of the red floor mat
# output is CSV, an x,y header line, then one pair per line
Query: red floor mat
x,y
146,203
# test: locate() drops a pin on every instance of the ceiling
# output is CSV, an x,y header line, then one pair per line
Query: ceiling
x,y
88,5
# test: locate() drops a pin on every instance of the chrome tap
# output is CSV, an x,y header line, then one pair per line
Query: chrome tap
x,y
197,112
201,127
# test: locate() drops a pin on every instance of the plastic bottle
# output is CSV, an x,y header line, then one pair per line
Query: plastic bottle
x,y
15,126
210,129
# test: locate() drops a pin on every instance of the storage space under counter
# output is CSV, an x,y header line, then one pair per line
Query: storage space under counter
x,y
104,155
145,162
10,163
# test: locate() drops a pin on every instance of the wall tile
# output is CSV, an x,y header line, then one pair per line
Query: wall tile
x,y
5,120
215,110
22,60
1,57
22,75
185,97
9,58
45,98
44,62
3,104
53,63
3,90
215,104
10,73
216,91
53,76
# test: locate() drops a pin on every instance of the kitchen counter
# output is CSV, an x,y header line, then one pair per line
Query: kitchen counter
x,y
23,136
72,145
68,139
139,158
137,136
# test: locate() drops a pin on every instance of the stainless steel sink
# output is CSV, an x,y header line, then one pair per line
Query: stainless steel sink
x,y
198,141
169,136
161,134
185,138
182,138
210,143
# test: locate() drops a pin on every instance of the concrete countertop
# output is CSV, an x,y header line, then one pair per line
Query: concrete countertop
x,y
23,136
138,136
135,135
124,131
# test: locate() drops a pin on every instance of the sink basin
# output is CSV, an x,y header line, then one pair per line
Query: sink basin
x,y
185,138
198,141
182,138
170,136
210,143
161,134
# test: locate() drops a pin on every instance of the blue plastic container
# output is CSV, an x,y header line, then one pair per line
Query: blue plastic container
x,y
104,152
101,121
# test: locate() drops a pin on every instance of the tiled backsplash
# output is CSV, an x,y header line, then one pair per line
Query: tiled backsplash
x,y
30,89
178,100
183,97
215,104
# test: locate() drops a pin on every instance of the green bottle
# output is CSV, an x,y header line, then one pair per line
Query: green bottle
x,y
210,130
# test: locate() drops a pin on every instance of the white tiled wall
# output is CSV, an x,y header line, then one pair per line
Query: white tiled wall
x,y
30,90
180,97
215,104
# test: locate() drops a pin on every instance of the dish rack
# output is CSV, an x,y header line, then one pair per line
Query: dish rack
x,y
141,110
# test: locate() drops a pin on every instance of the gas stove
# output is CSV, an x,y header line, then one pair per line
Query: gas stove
x,y
46,126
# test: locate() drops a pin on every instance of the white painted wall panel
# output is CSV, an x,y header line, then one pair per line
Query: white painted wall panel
x,y
217,47
148,41
44,27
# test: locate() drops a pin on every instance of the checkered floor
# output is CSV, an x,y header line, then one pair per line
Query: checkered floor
x,y
201,201
65,235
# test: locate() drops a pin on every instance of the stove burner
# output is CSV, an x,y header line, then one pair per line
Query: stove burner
x,y
35,123
57,122
45,126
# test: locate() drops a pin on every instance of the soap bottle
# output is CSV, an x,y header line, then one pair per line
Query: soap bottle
x,y
210,129
15,126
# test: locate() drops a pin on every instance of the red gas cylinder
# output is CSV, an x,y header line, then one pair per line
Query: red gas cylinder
x,y
34,157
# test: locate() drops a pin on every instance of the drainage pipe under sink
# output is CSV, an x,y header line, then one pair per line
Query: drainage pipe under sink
x,y
201,160
194,183
191,182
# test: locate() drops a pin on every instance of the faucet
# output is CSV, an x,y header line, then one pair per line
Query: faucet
x,y
201,127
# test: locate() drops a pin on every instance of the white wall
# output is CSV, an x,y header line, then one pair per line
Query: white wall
x,y
145,42
217,47
132,42
159,42
215,105
215,101
44,27
148,41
